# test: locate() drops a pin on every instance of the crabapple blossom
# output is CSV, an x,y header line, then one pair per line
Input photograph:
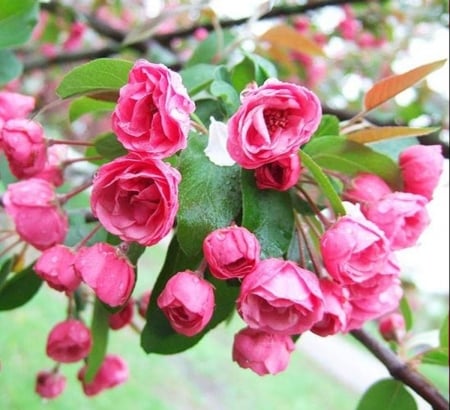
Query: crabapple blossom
x,y
231,252
123,317
50,384
279,175
280,297
188,302
392,326
69,341
366,187
262,352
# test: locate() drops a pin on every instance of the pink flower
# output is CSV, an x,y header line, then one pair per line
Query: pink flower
x,y
279,175
201,33
55,266
401,215
421,167
366,188
25,148
112,372
273,121
152,112
53,170
69,341
107,272
143,302
75,37
231,252
15,105
50,384
392,327
136,198
264,353
188,302
34,207
280,297
336,308
123,317
354,250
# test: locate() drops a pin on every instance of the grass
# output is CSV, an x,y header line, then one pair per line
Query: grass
x,y
203,377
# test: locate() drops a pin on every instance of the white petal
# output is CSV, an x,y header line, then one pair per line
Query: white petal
x,y
216,150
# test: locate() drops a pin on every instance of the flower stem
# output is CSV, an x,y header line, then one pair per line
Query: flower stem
x,y
86,239
52,141
74,160
65,197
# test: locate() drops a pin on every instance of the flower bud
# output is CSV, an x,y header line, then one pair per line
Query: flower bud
x,y
123,317
392,327
231,252
50,384
69,341
279,175
264,353
188,302
366,188
143,302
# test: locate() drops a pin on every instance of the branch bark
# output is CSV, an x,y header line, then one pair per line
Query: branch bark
x,y
401,371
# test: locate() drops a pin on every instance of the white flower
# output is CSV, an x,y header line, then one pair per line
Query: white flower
x,y
216,150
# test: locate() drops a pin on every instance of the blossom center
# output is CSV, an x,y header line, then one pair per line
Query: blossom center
x,y
275,119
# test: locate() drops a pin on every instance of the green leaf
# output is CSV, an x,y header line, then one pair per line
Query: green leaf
x,y
329,125
269,215
100,75
211,49
438,356
79,228
392,394
158,336
405,309
209,196
10,66
198,77
108,146
339,154
227,94
324,183
86,105
99,331
252,68
19,289
17,20
443,333
207,108
5,270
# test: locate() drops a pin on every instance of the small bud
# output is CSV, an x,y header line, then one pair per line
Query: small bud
x,y
392,327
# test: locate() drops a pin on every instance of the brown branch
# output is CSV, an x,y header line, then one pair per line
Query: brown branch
x,y
401,371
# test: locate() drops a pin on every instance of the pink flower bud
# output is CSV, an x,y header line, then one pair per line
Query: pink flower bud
x,y
231,252
421,167
280,297
34,208
392,327
24,146
107,272
201,34
401,216
366,188
53,170
50,384
15,105
69,341
55,266
143,302
75,37
123,317
279,175
112,372
188,302
264,353
152,112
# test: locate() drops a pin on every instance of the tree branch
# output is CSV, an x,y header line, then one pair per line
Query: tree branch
x,y
401,371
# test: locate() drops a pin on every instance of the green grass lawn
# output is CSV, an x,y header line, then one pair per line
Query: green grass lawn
x,y
203,377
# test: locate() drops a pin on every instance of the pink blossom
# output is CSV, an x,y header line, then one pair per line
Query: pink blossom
x,y
401,216
354,250
279,175
113,372
188,302
264,353
336,308
367,40
53,170
69,341
280,297
24,146
34,208
421,167
73,41
392,327
231,252
136,198
152,112
107,272
123,317
273,121
366,187
55,266
201,33
143,303
15,105
50,384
